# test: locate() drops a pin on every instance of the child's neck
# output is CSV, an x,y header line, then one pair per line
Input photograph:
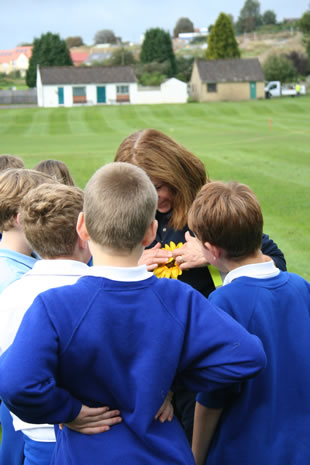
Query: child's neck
x,y
15,240
103,256
256,258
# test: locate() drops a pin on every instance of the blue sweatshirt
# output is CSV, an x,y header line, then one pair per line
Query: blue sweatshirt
x,y
269,423
103,342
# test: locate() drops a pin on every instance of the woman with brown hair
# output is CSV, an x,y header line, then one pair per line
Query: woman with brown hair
x,y
178,175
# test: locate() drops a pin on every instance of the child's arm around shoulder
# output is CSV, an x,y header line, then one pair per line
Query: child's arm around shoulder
x,y
35,398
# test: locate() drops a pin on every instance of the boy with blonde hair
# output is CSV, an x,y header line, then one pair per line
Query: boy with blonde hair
x,y
48,215
119,336
269,421
16,258
16,255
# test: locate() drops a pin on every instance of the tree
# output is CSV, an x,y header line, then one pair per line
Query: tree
x,y
48,50
183,25
304,23
279,68
74,41
299,61
185,67
249,17
105,36
157,46
222,42
304,26
269,17
122,56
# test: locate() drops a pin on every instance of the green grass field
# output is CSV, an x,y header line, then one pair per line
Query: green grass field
x,y
265,144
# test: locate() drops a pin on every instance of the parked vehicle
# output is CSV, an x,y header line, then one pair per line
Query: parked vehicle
x,y
276,89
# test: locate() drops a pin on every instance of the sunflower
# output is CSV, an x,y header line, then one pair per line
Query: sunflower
x,y
170,269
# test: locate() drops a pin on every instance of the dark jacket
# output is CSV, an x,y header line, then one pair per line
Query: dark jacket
x,y
200,278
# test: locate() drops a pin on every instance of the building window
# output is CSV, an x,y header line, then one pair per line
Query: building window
x,y
211,87
79,94
122,93
122,89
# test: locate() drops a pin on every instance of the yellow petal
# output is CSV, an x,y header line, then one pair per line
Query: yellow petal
x,y
180,244
158,271
172,245
167,273
174,273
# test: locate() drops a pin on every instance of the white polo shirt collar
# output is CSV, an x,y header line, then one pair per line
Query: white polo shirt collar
x,y
137,273
256,270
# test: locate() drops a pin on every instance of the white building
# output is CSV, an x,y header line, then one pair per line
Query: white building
x,y
69,86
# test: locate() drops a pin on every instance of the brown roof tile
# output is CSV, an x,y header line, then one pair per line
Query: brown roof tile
x,y
93,75
230,70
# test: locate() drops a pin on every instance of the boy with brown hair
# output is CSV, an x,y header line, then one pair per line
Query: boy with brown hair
x,y
119,336
269,421
48,215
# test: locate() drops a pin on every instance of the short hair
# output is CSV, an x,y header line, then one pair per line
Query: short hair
x,y
10,161
164,159
229,216
57,169
48,215
120,204
15,183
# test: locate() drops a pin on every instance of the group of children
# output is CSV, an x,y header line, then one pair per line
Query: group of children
x,y
90,355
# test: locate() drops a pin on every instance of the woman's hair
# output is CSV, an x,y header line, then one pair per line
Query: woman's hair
x,y
57,169
166,161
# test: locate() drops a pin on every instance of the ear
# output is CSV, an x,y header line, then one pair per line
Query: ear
x,y
81,227
150,234
17,219
214,252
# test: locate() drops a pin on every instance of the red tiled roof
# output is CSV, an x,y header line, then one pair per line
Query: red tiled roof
x,y
78,57
6,56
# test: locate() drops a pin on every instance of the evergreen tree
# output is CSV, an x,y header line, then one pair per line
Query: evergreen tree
x,y
157,46
222,42
48,50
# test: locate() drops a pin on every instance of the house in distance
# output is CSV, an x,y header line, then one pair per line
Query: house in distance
x,y
72,86
227,79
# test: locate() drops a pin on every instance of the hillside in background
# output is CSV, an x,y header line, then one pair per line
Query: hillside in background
x,y
262,45
255,44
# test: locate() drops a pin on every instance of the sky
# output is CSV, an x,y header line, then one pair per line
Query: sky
x,y
23,20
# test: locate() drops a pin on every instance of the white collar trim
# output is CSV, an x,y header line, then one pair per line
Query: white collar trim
x,y
137,273
58,267
256,270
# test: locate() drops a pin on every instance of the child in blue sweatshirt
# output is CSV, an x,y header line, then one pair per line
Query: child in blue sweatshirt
x,y
269,421
120,337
